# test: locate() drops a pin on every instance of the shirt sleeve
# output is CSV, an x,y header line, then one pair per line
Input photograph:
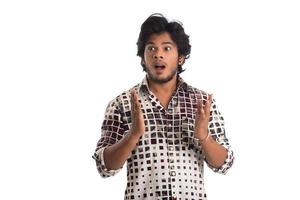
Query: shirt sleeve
x,y
112,131
217,130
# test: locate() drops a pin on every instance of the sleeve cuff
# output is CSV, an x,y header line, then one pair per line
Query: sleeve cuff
x,y
99,158
226,165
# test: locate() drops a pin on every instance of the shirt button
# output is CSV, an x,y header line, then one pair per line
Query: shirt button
x,y
173,173
170,125
171,148
174,198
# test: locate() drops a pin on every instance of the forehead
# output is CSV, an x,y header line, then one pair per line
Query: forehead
x,y
160,38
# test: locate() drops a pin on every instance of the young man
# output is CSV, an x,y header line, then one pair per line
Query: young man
x,y
164,128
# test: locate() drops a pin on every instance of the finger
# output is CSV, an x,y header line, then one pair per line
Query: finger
x,y
208,104
199,107
137,105
132,100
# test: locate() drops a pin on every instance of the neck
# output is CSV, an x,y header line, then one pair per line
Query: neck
x,y
166,88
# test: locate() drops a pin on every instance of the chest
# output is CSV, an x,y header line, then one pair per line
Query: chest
x,y
163,99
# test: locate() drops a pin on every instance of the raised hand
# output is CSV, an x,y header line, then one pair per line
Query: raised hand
x,y
138,125
202,118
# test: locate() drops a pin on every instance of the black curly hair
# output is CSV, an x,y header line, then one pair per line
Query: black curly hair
x,y
157,23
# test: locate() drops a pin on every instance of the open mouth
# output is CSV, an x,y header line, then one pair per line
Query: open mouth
x,y
159,66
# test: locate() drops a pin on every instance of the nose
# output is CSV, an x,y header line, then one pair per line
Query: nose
x,y
158,55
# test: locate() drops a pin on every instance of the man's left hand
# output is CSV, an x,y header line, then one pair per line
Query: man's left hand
x,y
202,118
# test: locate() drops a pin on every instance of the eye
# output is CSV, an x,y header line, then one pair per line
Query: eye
x,y
151,48
168,48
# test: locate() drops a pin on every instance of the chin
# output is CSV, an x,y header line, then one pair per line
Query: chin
x,y
157,79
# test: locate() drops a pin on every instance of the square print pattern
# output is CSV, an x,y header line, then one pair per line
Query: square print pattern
x,y
167,162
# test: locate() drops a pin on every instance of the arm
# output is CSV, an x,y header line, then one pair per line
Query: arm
x,y
215,153
215,145
114,156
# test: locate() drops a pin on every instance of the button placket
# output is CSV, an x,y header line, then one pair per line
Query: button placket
x,y
171,151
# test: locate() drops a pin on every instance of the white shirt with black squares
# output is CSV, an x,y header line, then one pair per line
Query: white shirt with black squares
x,y
167,162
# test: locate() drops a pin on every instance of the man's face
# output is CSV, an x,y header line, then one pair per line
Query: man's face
x,y
161,58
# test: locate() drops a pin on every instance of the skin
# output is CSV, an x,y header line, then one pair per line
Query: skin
x,y
161,49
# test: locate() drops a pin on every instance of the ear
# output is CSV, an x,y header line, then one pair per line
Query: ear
x,y
142,61
181,60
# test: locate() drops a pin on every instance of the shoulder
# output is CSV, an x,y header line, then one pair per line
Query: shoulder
x,y
123,99
198,93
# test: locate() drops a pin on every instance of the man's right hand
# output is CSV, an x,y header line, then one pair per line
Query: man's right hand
x,y
138,125
116,155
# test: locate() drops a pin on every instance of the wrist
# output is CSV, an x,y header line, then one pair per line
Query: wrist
x,y
201,135
202,139
134,137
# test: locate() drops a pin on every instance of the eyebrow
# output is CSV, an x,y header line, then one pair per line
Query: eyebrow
x,y
171,43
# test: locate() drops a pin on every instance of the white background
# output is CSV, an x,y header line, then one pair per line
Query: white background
x,y
63,61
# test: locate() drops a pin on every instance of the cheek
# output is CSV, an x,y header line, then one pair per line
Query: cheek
x,y
147,61
174,60
147,57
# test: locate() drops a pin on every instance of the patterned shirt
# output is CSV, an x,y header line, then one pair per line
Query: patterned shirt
x,y
167,162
